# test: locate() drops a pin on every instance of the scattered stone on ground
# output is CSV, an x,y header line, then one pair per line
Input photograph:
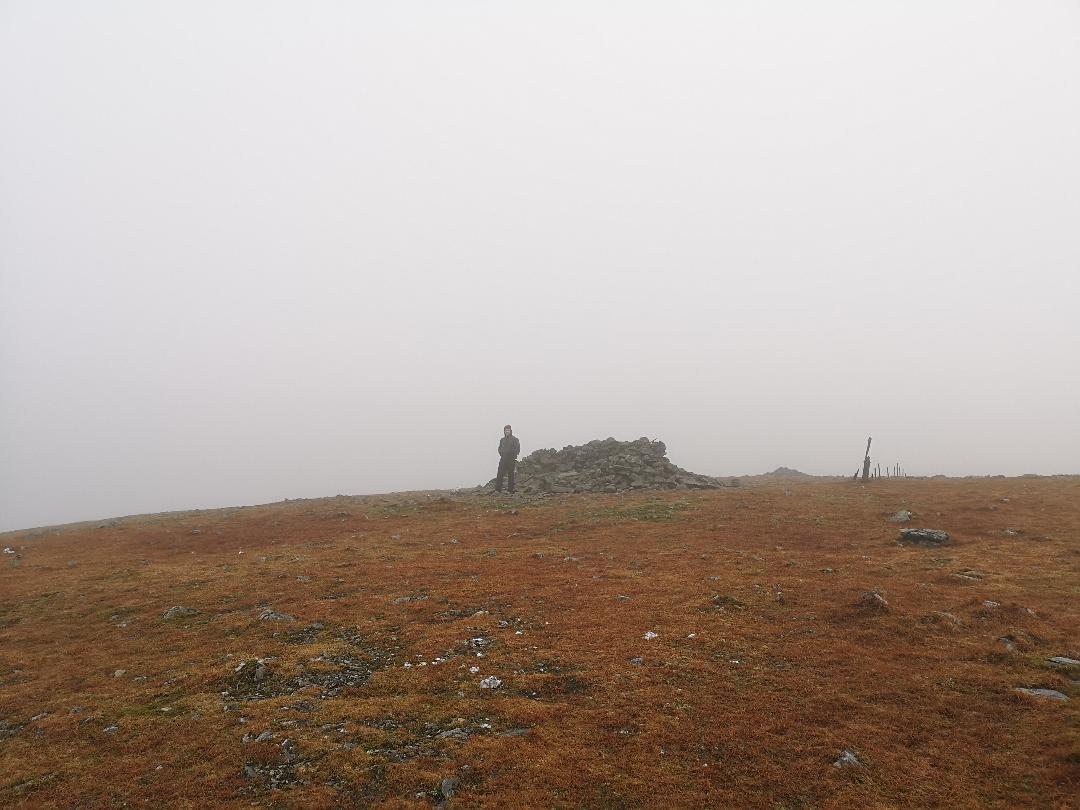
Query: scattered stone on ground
x,y
1049,694
903,516
872,600
268,614
179,612
490,682
847,760
924,537
650,635
607,465
448,786
1063,661
514,732
969,575
402,600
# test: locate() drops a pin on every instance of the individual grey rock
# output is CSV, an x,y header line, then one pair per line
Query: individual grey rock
x,y
903,516
1049,694
847,760
453,734
1062,661
924,537
110,730
873,601
969,575
266,736
288,753
514,732
490,682
637,662
448,786
271,615
179,612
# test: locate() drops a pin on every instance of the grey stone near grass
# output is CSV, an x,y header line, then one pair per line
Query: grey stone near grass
x,y
1049,694
271,615
847,760
448,786
874,601
179,612
903,516
924,537
514,732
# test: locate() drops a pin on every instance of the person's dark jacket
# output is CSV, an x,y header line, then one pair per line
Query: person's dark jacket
x,y
509,447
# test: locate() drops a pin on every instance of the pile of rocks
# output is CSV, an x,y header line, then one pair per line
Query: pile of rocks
x,y
607,465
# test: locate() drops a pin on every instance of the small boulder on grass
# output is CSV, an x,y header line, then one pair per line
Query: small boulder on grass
x,y
1046,694
271,615
924,537
179,612
874,602
847,760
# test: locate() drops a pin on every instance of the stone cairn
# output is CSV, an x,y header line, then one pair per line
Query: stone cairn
x,y
607,465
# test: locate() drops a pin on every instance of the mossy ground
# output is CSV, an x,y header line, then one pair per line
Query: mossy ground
x,y
764,669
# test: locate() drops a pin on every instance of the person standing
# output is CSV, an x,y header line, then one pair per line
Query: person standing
x,y
509,447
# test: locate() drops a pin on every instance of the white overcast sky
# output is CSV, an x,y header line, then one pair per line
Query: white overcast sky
x,y
262,250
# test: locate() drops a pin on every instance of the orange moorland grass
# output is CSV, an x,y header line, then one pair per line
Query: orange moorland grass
x,y
766,665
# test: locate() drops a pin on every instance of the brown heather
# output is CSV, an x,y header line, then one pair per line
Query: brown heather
x,y
745,698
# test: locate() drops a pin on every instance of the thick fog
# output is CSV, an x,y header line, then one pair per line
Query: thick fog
x,y
252,251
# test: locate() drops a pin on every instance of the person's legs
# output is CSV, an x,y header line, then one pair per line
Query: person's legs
x,y
502,474
510,465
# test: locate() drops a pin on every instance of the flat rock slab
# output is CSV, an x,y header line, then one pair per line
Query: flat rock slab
x,y
924,537
179,612
1062,661
1049,694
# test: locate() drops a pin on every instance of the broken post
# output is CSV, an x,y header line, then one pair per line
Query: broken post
x,y
866,460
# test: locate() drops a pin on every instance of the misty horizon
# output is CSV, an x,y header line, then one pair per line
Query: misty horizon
x,y
258,252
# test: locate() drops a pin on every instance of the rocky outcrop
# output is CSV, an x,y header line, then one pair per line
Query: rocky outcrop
x,y
607,465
